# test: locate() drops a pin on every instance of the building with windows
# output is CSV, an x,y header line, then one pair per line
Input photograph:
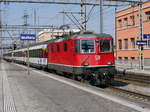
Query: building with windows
x,y
127,33
49,34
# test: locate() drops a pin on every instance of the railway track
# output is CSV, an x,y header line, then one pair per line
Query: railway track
x,y
126,93
137,78
129,94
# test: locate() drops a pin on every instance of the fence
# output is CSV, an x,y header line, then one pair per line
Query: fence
x,y
130,64
127,64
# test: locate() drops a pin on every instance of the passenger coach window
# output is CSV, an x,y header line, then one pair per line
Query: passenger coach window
x,y
87,46
105,45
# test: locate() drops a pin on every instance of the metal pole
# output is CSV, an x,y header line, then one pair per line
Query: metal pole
x,y
1,53
82,16
28,59
141,54
116,35
35,21
101,16
85,18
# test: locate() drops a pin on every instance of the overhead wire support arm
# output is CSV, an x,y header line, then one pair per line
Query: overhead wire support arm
x,y
89,14
56,2
77,21
70,12
73,21
127,1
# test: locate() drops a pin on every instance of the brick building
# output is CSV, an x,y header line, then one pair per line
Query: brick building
x,y
127,33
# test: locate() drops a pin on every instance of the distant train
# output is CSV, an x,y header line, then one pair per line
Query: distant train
x,y
85,56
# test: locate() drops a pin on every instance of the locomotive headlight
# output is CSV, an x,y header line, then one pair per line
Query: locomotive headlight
x,y
86,64
109,63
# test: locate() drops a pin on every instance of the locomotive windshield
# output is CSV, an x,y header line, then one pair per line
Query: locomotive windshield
x,y
105,45
87,46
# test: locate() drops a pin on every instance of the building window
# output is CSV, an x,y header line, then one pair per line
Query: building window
x,y
126,59
133,42
132,20
65,47
125,22
148,15
126,43
148,43
58,48
120,58
132,58
120,23
132,61
120,44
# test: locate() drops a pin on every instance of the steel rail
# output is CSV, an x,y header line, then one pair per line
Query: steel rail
x,y
137,78
130,94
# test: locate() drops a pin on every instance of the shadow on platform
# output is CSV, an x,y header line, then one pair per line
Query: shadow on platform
x,y
119,83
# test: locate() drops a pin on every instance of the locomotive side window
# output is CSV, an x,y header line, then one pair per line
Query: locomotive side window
x,y
65,47
77,46
105,45
52,48
58,48
87,46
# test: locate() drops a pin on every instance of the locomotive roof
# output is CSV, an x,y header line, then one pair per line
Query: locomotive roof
x,y
70,37
81,36
103,35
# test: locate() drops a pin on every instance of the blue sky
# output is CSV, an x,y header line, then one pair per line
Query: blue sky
x,y
49,15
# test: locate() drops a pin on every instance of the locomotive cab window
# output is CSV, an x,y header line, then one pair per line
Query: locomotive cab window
x,y
105,45
87,46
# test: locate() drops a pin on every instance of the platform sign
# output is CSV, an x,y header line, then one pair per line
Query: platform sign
x,y
141,42
146,36
27,37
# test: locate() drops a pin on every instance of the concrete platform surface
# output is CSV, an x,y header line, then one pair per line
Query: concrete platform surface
x,y
132,71
45,92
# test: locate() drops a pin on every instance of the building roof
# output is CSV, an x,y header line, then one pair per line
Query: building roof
x,y
129,8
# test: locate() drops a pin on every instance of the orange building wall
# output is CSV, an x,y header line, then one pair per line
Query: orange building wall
x,y
131,31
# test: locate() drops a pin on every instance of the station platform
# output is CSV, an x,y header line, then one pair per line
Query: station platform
x,y
133,71
45,92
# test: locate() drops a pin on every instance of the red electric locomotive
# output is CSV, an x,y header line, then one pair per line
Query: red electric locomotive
x,y
86,56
